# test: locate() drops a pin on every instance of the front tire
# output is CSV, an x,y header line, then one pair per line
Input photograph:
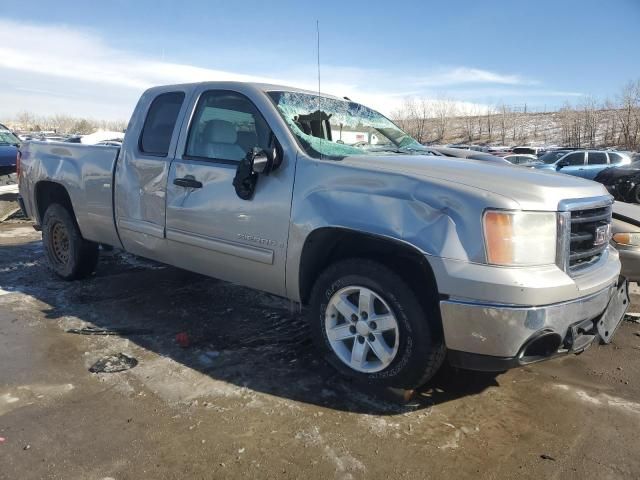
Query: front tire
x,y
370,325
68,254
634,195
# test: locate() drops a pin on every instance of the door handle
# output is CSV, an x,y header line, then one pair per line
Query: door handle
x,y
187,182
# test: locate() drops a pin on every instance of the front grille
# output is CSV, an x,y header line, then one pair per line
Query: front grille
x,y
585,224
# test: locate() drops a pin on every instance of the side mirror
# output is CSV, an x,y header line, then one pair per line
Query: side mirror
x,y
561,164
266,160
262,161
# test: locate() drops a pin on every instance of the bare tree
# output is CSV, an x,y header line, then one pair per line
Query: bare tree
x,y
443,110
629,114
504,122
26,120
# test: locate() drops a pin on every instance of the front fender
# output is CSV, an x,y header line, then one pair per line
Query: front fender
x,y
436,217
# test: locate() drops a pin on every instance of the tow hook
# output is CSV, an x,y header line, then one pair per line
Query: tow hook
x,y
580,336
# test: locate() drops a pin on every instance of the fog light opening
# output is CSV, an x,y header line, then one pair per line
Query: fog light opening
x,y
540,347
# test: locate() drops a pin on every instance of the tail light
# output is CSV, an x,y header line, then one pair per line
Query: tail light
x,y
18,158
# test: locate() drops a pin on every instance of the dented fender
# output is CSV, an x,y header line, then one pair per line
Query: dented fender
x,y
438,218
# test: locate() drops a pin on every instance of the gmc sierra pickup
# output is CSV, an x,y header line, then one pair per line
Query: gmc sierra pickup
x,y
399,257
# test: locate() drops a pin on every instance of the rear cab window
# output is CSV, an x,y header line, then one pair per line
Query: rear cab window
x,y
615,158
160,124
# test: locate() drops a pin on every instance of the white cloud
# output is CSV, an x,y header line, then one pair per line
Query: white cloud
x,y
464,75
51,69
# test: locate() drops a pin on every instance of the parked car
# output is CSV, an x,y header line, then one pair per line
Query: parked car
x,y
626,238
499,151
536,151
470,155
9,145
522,159
582,163
399,259
622,182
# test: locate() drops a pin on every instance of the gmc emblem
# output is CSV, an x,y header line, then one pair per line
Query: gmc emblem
x,y
602,235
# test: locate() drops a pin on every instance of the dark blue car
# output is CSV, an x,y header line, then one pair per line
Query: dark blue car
x,y
9,144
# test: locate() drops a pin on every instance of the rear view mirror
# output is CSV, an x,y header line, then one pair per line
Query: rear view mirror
x,y
256,162
266,160
262,161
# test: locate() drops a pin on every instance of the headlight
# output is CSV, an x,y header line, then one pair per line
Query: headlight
x,y
631,239
520,238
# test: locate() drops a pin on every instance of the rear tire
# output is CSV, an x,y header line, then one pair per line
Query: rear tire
x,y
392,342
68,254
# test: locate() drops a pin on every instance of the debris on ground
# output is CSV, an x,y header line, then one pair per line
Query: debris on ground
x,y
2,439
208,358
182,339
544,456
92,330
114,363
632,317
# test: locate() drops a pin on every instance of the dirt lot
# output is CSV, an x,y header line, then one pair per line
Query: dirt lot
x,y
247,398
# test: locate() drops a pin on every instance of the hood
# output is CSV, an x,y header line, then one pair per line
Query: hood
x,y
8,155
532,189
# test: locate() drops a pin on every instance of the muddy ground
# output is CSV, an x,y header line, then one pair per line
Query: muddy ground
x,y
248,398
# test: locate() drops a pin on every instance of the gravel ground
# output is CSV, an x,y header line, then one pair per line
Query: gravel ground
x,y
246,397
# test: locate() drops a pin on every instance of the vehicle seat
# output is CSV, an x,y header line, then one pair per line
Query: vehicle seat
x,y
247,140
219,140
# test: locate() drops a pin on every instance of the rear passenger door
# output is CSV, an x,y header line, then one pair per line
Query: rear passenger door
x,y
143,169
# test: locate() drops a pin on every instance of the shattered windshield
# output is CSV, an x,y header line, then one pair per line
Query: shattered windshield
x,y
334,129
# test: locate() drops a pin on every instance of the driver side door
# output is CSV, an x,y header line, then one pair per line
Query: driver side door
x,y
574,164
209,228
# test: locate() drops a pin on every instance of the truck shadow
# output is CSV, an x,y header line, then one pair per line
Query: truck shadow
x,y
232,334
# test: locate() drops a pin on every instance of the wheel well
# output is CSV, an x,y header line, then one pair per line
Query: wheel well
x,y
328,245
47,193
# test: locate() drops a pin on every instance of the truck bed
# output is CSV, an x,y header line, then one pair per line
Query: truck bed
x,y
86,171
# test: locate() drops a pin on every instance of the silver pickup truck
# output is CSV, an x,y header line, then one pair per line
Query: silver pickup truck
x,y
400,258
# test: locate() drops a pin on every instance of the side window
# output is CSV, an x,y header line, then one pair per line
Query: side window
x,y
225,126
160,122
597,158
572,159
615,158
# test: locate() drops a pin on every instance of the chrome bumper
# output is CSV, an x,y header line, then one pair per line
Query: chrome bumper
x,y
503,332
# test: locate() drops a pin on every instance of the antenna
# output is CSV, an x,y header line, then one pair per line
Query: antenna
x,y
318,51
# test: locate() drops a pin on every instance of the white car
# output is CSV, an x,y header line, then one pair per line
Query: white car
x,y
519,159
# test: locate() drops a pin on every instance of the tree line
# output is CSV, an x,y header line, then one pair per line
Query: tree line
x,y
62,124
587,124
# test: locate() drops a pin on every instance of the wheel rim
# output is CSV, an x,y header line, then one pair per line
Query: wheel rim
x,y
60,243
362,330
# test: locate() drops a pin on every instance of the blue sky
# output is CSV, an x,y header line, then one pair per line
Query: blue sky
x,y
94,58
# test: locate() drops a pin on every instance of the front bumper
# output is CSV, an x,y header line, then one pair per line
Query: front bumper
x,y
494,337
